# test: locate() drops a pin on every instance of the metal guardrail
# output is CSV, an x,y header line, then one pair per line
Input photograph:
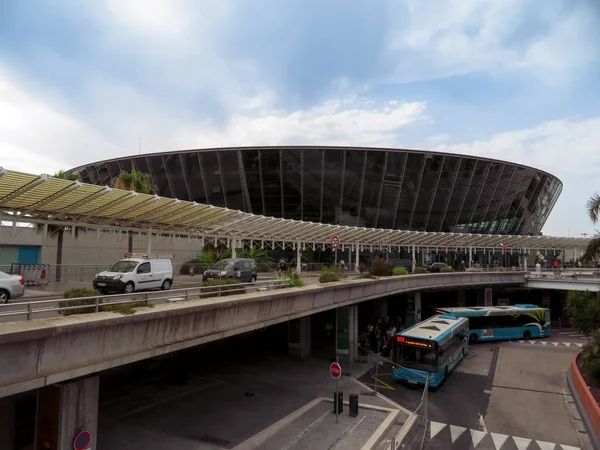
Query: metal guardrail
x,y
105,302
567,275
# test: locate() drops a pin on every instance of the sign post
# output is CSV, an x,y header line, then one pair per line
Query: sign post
x,y
335,370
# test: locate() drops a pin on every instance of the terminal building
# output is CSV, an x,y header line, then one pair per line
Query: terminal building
x,y
353,186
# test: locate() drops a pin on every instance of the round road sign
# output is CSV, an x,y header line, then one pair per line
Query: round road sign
x,y
335,241
335,370
82,440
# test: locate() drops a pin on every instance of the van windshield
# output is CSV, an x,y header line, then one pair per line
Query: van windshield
x,y
123,266
223,265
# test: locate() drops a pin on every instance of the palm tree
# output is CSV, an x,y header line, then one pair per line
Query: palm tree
x,y
592,250
59,230
134,181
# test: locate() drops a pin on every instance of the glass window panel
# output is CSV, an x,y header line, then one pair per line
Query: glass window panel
x,y
332,185
140,164
252,170
392,181
159,175
228,160
269,161
176,178
492,218
292,183
465,225
426,185
442,194
459,194
487,192
355,161
313,159
103,175
372,185
113,169
212,175
125,164
193,175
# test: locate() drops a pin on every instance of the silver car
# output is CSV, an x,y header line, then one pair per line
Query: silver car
x,y
11,286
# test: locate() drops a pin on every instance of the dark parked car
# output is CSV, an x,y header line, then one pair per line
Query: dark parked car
x,y
406,263
240,269
436,267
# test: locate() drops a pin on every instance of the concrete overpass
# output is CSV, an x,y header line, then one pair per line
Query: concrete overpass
x,y
43,352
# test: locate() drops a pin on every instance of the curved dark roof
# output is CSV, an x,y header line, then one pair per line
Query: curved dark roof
x,y
352,186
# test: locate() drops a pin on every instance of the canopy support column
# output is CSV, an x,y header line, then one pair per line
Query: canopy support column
x,y
149,247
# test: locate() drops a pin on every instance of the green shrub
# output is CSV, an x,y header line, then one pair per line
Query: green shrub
x,y
127,309
400,271
222,288
380,269
293,278
340,273
420,270
363,276
88,306
447,269
328,277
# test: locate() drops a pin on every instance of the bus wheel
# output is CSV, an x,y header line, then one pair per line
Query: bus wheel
x,y
473,339
527,334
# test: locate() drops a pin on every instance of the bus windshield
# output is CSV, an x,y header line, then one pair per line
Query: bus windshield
x,y
418,358
123,266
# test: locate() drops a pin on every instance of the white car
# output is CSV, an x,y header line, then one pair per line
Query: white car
x,y
135,274
11,286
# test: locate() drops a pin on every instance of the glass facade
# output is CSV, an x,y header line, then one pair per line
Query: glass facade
x,y
375,188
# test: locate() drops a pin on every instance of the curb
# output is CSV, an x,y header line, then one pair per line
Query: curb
x,y
584,401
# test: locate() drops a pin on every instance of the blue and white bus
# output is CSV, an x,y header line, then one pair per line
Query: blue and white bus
x,y
431,349
494,323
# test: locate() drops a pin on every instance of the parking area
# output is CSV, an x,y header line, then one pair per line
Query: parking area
x,y
503,396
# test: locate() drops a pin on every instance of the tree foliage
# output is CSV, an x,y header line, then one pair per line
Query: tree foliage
x,y
592,251
134,181
583,307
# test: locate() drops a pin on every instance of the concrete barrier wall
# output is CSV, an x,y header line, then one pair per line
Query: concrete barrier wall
x,y
46,351
588,402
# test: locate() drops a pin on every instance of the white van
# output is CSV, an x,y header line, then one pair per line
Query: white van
x,y
136,272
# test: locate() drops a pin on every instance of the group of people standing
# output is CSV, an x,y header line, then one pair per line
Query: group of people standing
x,y
380,336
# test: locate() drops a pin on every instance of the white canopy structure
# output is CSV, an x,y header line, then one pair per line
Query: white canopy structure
x,y
44,199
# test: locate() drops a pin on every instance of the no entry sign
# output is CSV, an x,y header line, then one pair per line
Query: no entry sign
x,y
335,241
335,370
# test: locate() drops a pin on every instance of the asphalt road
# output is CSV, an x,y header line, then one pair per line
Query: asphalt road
x,y
503,396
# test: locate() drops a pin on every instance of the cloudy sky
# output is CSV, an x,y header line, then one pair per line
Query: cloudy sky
x,y
512,79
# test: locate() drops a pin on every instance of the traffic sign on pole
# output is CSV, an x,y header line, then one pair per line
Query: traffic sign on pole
x,y
82,440
335,370
335,241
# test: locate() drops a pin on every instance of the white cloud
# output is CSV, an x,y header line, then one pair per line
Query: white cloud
x,y
158,17
568,149
36,138
445,39
339,121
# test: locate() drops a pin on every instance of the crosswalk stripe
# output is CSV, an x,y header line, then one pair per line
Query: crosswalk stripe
x,y
435,428
546,445
477,436
455,432
521,443
499,439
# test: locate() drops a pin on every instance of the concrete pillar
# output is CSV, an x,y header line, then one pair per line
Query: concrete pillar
x,y
149,245
418,306
299,343
470,256
414,260
357,248
7,422
298,258
349,257
233,244
346,337
65,410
